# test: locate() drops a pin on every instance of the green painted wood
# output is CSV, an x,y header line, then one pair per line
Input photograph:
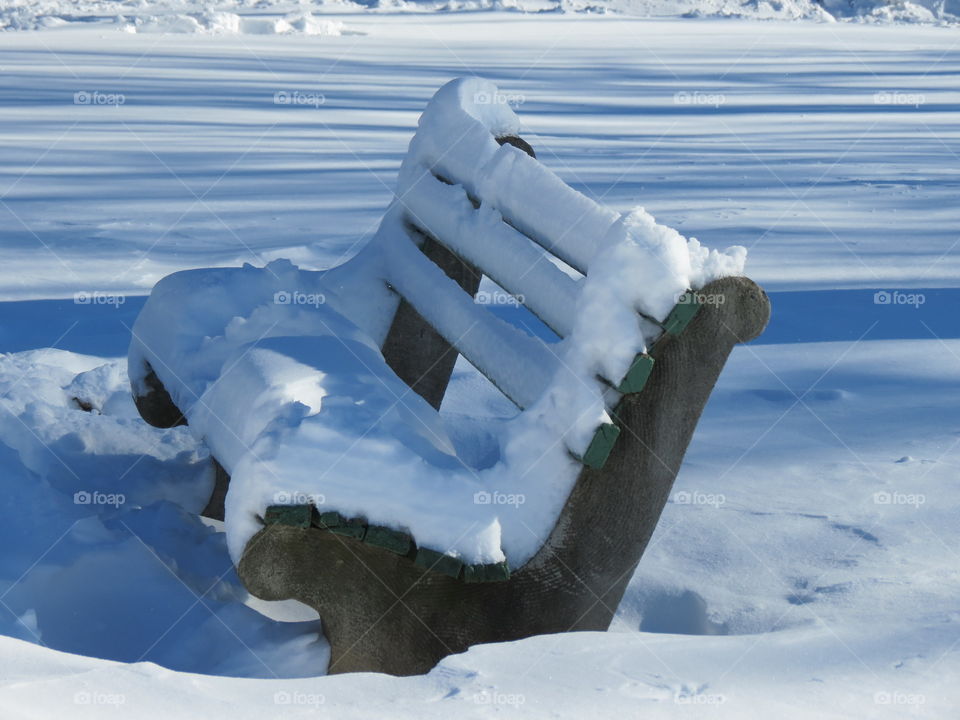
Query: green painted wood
x,y
492,572
295,515
681,315
392,540
353,528
330,519
637,375
438,562
600,446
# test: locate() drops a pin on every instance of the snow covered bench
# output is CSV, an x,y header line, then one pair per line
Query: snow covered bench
x,y
416,533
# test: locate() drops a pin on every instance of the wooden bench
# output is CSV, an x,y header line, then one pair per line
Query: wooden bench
x,y
392,606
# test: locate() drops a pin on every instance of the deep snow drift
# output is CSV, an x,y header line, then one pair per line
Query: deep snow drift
x,y
807,563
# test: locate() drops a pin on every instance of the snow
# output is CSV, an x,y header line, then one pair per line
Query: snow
x,y
101,548
846,608
511,259
795,572
225,23
271,17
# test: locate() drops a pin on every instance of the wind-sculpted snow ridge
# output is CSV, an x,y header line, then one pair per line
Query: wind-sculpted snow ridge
x,y
279,371
283,17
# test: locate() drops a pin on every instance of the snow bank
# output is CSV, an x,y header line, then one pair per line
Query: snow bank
x,y
226,23
167,18
282,17
895,11
104,554
279,371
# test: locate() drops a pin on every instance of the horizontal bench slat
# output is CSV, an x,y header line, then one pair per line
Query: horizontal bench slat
x,y
519,365
530,196
507,256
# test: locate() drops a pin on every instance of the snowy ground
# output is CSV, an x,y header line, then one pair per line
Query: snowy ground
x,y
808,561
281,17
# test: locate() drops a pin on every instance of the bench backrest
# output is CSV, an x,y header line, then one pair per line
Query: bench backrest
x,y
477,203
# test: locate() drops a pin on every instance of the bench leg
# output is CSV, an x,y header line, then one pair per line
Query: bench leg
x,y
214,508
158,409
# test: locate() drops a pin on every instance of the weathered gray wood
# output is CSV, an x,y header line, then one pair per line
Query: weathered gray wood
x,y
214,508
384,613
413,349
155,406
158,409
